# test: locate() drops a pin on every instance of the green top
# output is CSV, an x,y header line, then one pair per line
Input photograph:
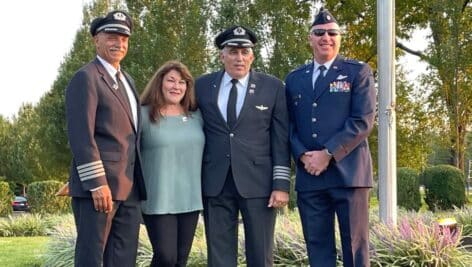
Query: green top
x,y
171,153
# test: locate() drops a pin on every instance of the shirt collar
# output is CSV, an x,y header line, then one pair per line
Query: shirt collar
x,y
108,67
243,81
327,64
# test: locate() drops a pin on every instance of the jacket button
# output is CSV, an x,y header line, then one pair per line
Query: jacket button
x,y
231,135
227,155
313,119
314,135
315,105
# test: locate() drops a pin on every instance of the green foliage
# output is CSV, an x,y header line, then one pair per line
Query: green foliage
x,y
60,250
358,18
23,150
25,225
42,198
464,218
449,55
408,189
282,28
6,197
417,241
289,247
444,187
5,143
54,151
292,197
289,244
166,30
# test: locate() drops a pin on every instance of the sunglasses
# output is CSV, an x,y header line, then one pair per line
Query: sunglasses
x,y
321,32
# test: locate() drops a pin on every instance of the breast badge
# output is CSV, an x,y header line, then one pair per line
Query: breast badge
x,y
340,87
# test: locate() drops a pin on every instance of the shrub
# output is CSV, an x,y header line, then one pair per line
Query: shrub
x,y
42,198
408,189
445,187
25,225
417,241
6,197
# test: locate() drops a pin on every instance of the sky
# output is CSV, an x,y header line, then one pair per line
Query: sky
x,y
38,34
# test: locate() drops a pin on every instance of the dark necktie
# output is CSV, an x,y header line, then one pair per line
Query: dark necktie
x,y
122,91
231,107
320,77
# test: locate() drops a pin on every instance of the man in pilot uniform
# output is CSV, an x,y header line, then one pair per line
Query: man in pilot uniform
x,y
103,128
246,159
332,109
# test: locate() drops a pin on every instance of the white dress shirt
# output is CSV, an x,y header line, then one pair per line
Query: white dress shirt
x,y
225,88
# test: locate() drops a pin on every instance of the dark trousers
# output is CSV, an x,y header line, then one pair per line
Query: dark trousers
x,y
171,237
111,238
317,212
221,214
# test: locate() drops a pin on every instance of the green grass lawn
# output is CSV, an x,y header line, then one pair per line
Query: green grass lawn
x,y
22,251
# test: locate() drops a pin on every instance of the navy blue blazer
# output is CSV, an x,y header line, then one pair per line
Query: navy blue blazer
x,y
256,148
102,137
339,116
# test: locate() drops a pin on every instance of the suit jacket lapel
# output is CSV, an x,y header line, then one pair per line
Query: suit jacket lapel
x,y
330,76
214,90
307,81
113,86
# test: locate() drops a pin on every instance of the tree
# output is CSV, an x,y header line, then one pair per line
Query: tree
x,y
166,30
451,59
54,151
23,165
5,126
414,124
281,27
449,53
449,56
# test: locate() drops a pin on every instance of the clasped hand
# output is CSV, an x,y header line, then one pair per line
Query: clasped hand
x,y
315,162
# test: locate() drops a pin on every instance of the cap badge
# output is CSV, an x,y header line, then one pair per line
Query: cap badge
x,y
328,17
119,16
239,31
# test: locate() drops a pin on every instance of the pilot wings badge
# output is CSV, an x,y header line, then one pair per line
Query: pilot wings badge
x,y
262,107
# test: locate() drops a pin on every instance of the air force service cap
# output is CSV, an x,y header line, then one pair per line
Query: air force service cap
x,y
114,22
236,36
323,17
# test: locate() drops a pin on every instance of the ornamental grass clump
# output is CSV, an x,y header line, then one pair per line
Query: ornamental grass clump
x,y
24,225
417,241
60,250
289,245
464,218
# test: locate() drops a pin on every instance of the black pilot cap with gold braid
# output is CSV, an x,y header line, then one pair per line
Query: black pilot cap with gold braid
x,y
236,36
114,22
